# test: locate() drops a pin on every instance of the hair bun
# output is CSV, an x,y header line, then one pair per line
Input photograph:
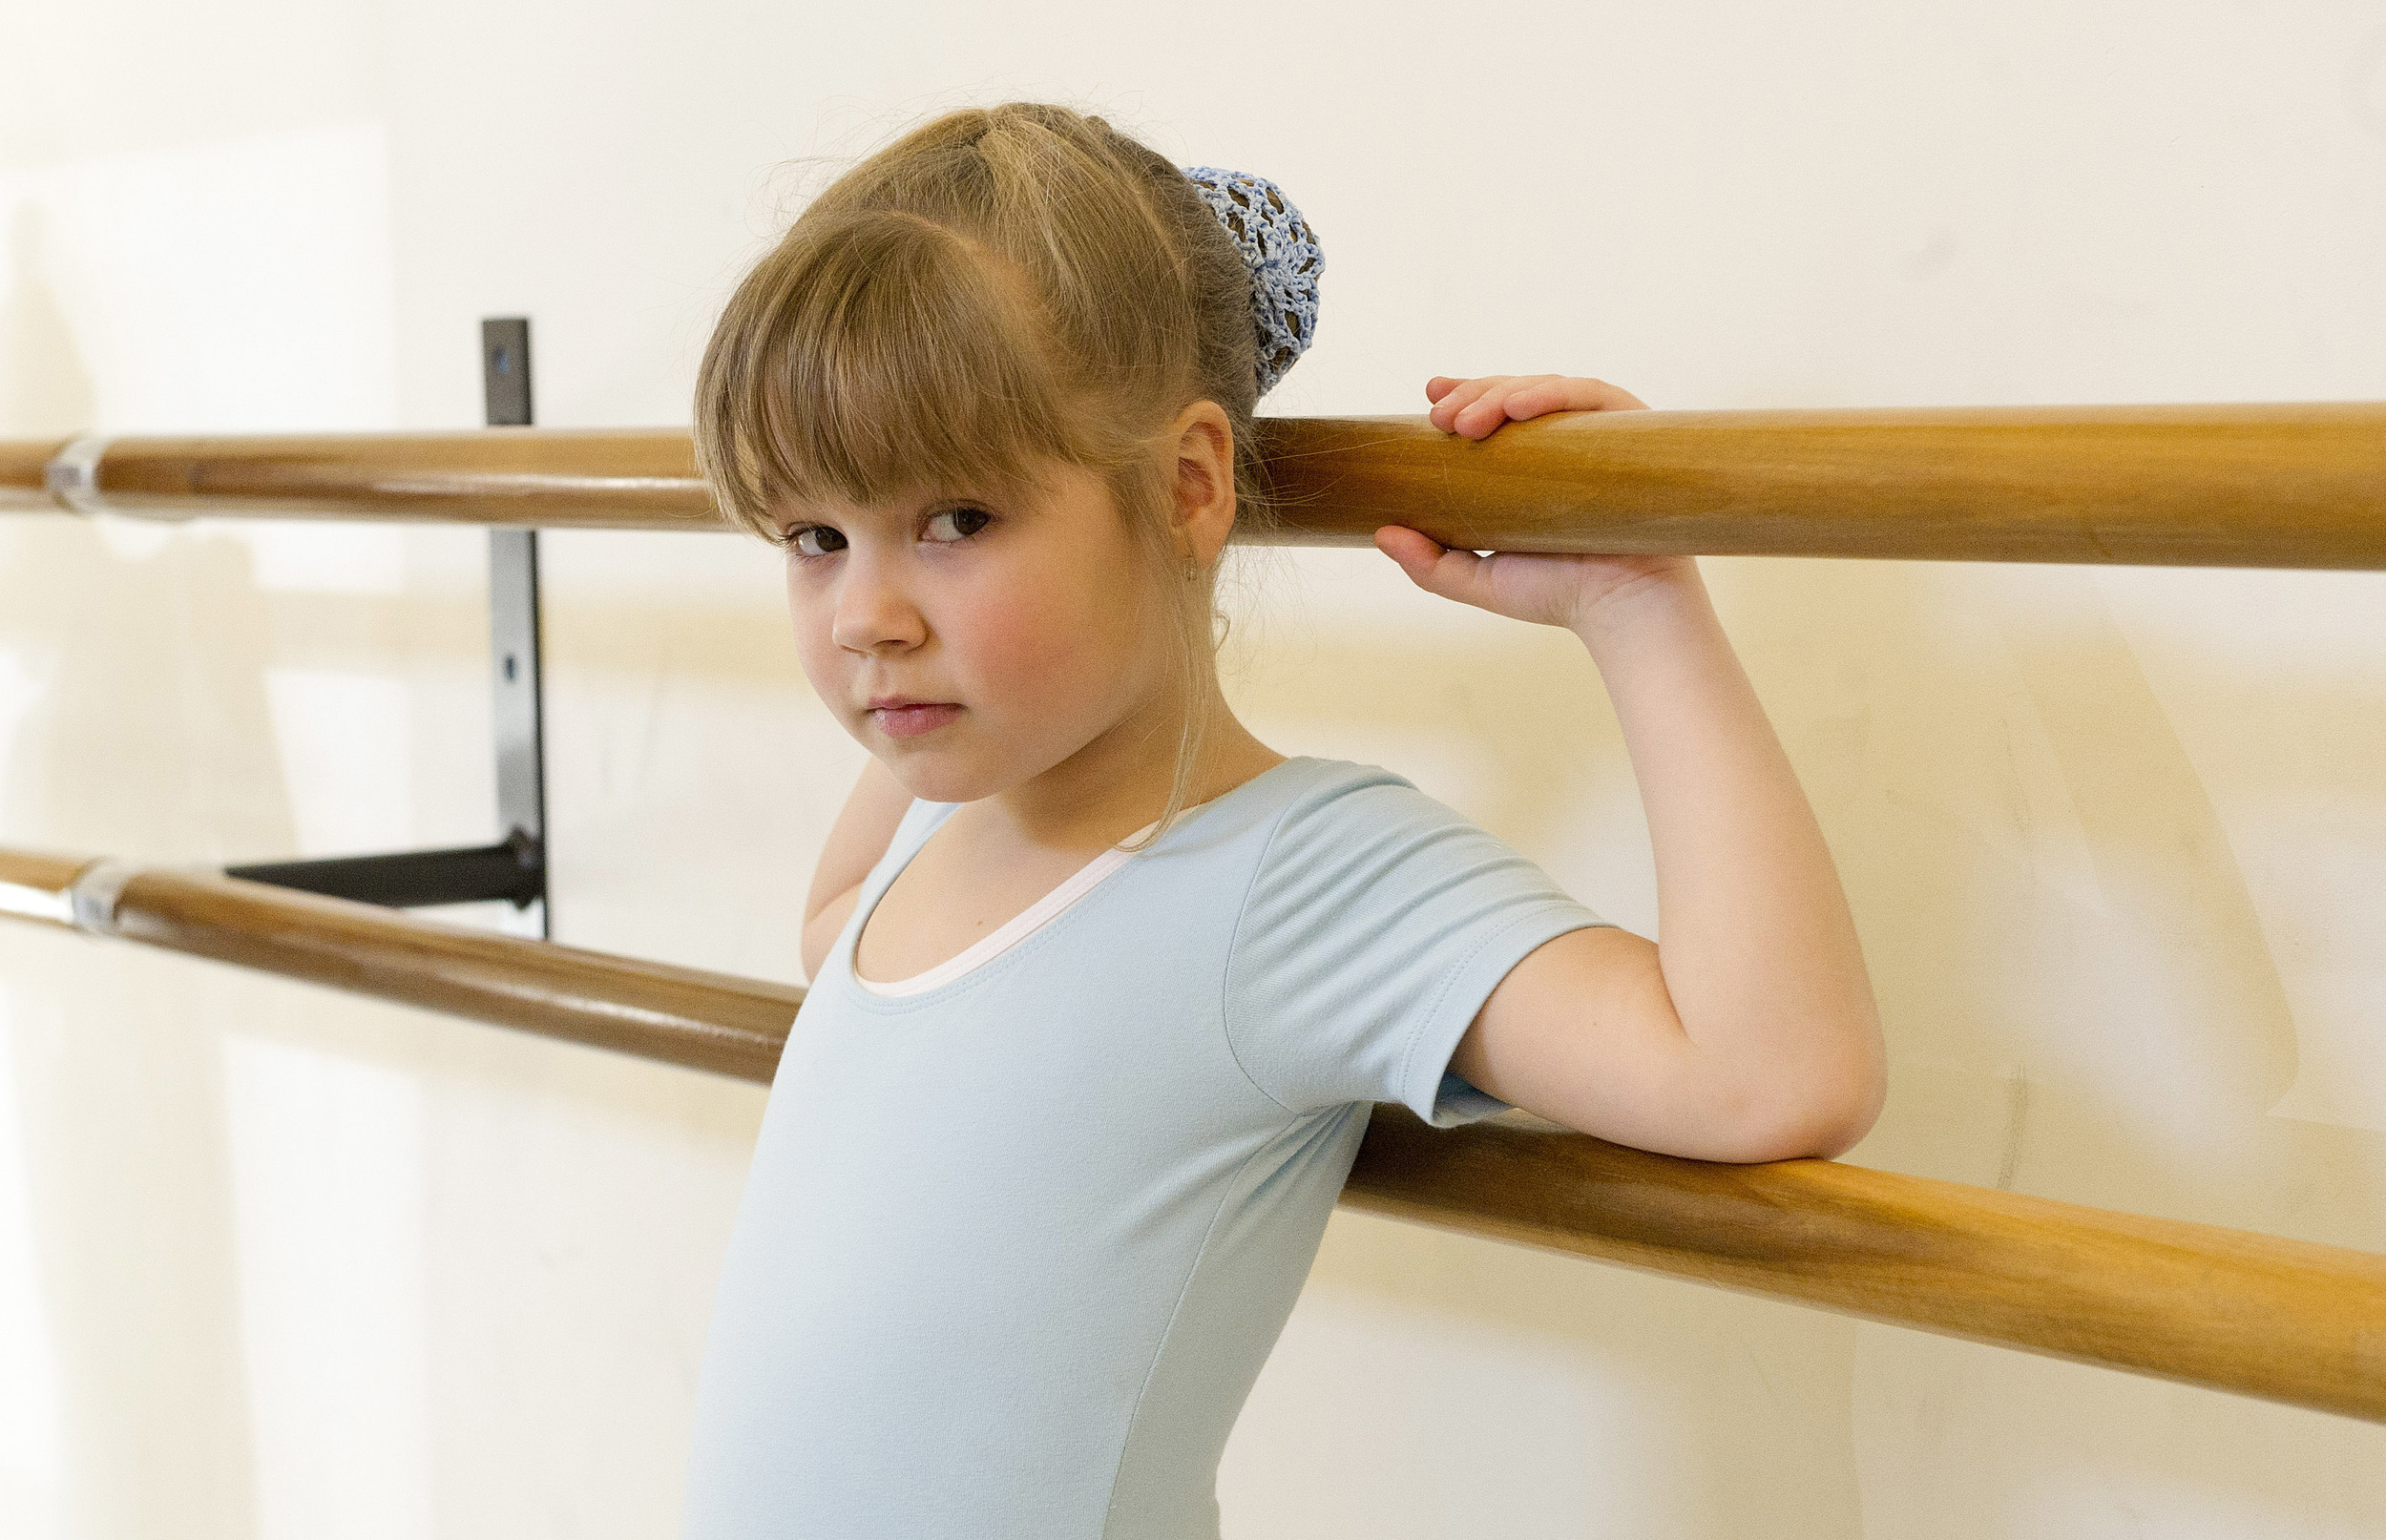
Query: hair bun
x,y
1282,252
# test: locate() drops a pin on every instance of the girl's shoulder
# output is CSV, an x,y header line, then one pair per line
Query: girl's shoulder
x,y
1346,814
1351,792
1305,790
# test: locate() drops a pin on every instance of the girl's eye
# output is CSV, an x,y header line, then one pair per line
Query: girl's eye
x,y
814,540
957,524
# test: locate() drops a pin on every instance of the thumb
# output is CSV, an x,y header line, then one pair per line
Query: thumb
x,y
1435,567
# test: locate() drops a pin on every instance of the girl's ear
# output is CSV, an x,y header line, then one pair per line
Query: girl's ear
x,y
1203,480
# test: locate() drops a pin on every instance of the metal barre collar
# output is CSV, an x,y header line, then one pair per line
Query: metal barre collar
x,y
72,475
96,890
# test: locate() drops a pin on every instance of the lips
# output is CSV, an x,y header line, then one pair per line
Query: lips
x,y
903,718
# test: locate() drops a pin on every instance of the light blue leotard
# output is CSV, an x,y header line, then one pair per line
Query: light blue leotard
x,y
1013,1250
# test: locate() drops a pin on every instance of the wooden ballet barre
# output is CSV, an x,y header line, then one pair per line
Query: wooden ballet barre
x,y
2285,1321
681,1015
2263,485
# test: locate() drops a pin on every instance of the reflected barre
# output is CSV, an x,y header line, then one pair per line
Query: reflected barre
x,y
2280,1319
2291,485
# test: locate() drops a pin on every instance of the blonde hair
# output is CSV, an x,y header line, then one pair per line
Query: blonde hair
x,y
998,285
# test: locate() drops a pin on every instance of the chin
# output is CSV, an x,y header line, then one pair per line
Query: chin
x,y
937,777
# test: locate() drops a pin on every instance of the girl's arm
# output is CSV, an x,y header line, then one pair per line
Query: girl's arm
x,y
1750,1033
856,840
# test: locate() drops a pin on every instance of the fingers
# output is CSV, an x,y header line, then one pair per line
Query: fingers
x,y
1559,393
1459,396
1411,550
1475,407
1514,403
1436,568
1599,396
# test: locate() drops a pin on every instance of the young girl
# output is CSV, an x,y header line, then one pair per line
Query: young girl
x,y
1103,987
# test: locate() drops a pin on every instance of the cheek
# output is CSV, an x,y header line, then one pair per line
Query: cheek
x,y
824,662
1051,652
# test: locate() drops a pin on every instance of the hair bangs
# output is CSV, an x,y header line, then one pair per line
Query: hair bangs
x,y
879,354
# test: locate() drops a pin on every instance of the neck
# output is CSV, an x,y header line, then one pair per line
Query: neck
x,y
1120,782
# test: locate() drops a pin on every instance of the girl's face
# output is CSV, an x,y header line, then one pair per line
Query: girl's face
x,y
973,643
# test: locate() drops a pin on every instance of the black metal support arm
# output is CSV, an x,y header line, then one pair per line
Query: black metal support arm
x,y
515,867
470,874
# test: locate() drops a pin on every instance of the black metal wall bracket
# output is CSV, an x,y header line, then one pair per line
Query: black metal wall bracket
x,y
411,878
514,868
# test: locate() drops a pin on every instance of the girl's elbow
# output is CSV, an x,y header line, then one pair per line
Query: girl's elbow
x,y
1822,1126
1841,1123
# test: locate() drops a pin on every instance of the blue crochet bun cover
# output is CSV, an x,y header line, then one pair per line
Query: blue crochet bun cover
x,y
1282,252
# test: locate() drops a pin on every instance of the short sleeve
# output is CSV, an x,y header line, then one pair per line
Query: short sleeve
x,y
1378,922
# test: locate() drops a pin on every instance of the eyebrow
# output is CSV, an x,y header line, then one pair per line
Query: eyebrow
x,y
991,497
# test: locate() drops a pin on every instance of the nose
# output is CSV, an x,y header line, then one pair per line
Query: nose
x,y
873,613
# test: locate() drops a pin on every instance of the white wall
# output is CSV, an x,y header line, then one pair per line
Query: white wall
x,y
279,1262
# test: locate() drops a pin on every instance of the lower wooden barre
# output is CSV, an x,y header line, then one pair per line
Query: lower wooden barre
x,y
2280,1319
2286,1321
22,464
681,1015
2267,483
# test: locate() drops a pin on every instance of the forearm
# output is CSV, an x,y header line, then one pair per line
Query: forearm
x,y
1758,950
